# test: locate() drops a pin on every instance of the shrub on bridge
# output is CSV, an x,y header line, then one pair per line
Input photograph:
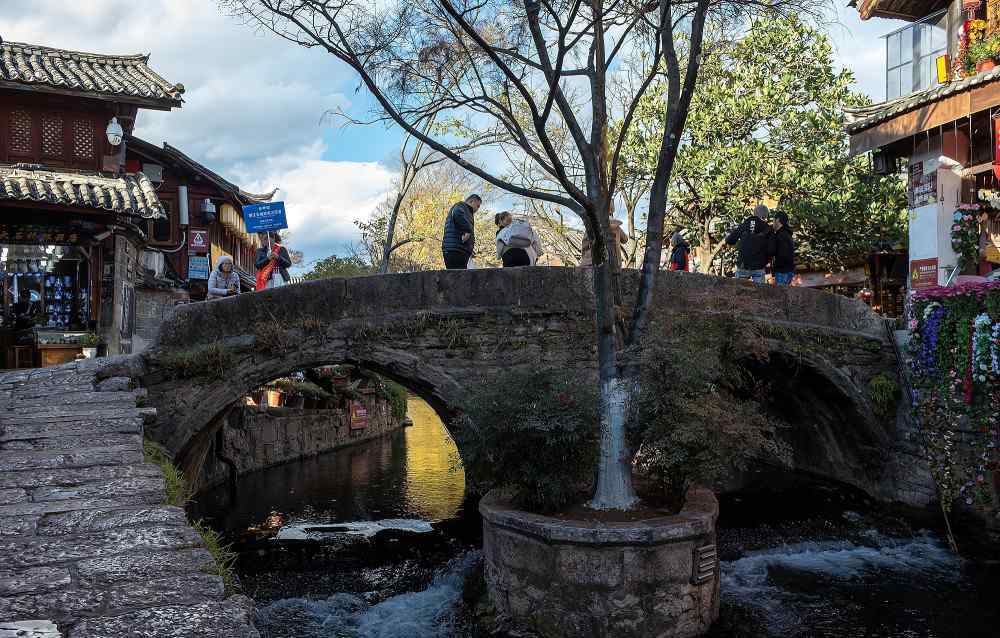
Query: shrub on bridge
x,y
533,435
697,411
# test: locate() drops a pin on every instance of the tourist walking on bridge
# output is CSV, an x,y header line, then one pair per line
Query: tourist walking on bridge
x,y
517,241
679,253
272,263
782,248
459,241
752,239
224,281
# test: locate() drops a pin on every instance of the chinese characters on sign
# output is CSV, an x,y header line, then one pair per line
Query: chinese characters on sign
x,y
261,218
359,415
922,187
197,266
923,273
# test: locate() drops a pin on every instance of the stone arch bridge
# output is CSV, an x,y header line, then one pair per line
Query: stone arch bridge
x,y
433,331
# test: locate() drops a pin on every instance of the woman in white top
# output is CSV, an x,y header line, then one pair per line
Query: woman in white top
x,y
517,241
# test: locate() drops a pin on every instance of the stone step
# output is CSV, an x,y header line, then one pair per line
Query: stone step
x,y
75,476
15,461
231,618
112,542
70,441
54,429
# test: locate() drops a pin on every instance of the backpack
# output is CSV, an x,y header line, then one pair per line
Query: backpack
x,y
517,235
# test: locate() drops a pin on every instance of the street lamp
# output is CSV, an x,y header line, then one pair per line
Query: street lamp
x,y
115,132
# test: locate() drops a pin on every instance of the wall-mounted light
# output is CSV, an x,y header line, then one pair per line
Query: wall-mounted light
x,y
115,132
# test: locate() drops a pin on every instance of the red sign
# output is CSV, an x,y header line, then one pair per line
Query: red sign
x,y
359,415
198,240
923,273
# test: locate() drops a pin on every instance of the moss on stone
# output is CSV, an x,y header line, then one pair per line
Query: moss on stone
x,y
178,493
210,361
883,392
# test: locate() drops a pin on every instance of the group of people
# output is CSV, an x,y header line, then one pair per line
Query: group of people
x,y
759,243
517,243
272,262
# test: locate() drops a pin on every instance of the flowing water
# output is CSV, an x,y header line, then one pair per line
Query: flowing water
x,y
831,573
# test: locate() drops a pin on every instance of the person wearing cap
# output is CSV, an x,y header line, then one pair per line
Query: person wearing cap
x,y
782,248
752,239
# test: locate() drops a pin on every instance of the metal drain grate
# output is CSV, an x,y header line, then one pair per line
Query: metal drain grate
x,y
706,560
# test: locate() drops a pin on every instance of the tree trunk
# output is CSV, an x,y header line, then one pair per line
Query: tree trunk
x,y
614,470
390,230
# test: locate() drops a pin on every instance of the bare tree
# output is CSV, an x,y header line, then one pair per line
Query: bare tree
x,y
509,73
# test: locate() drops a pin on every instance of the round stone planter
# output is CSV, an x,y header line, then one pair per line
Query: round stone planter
x,y
657,577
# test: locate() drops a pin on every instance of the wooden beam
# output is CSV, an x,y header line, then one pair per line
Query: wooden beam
x,y
906,124
164,104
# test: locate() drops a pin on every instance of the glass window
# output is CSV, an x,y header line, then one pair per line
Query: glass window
x,y
911,56
160,230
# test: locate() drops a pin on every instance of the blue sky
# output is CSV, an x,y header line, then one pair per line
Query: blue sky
x,y
256,107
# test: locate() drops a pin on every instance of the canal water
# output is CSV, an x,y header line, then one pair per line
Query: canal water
x,y
390,518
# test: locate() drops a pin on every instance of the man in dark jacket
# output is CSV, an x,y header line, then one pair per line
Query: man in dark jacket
x,y
783,249
752,238
459,241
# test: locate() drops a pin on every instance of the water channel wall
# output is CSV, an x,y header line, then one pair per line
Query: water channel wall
x,y
252,439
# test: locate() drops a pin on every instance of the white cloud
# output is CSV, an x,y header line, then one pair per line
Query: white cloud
x,y
859,47
322,198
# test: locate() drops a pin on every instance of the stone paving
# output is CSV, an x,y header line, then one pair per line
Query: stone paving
x,y
87,547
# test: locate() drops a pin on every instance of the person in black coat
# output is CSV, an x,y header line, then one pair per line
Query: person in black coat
x,y
754,250
272,251
783,250
458,243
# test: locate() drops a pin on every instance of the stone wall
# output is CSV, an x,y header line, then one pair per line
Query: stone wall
x,y
151,307
252,439
559,578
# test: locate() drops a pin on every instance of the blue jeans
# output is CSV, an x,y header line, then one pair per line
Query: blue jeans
x,y
783,278
756,275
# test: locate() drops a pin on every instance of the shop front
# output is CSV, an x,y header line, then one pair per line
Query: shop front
x,y
68,272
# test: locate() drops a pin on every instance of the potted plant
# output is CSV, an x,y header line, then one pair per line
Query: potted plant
x,y
89,343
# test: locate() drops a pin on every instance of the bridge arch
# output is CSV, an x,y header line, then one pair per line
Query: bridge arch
x,y
434,331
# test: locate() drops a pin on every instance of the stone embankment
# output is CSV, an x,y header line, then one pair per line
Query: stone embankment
x,y
252,439
87,547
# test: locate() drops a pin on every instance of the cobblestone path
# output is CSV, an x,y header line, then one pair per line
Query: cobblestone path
x,y
87,547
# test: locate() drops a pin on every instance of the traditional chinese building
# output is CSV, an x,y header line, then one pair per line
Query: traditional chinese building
x,y
939,123
94,221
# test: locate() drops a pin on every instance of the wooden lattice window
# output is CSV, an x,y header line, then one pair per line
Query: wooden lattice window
x,y
83,139
992,16
20,131
52,136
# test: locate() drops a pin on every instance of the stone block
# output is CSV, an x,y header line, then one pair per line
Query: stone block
x,y
34,580
187,589
142,565
232,618
12,495
25,553
58,605
115,384
669,562
29,629
17,525
523,552
134,487
84,521
589,566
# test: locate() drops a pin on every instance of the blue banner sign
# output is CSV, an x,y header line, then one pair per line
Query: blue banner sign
x,y
263,217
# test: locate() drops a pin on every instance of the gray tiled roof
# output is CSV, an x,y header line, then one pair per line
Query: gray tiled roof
x,y
126,78
859,119
128,194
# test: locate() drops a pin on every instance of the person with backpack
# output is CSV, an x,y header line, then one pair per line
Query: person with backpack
x,y
459,241
782,248
679,253
517,241
752,239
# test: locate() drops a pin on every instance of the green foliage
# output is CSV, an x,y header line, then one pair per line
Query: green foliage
x,y
533,435
336,266
395,394
90,340
177,491
301,388
222,554
767,120
210,361
884,392
697,412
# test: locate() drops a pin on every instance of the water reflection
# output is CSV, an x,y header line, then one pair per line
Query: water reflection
x,y
407,474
